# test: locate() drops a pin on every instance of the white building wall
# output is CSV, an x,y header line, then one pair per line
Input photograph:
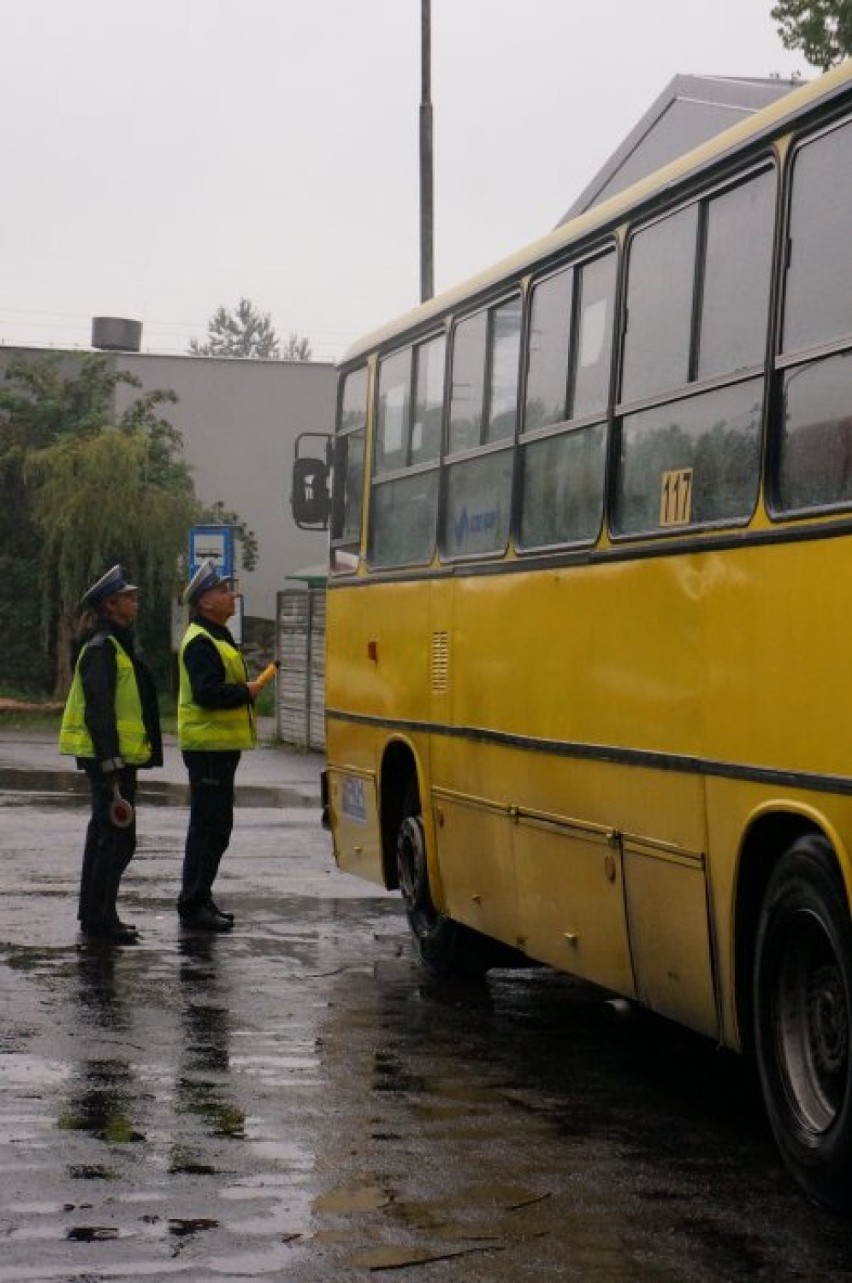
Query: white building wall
x,y
239,420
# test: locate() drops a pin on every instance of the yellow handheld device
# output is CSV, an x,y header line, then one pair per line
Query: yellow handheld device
x,y
267,674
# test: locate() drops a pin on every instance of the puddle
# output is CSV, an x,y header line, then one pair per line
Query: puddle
x,y
91,1172
187,1161
91,1233
353,1198
192,1225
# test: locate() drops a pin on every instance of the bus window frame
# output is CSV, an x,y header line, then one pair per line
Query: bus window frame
x,y
413,346
345,554
800,362
786,361
575,262
799,143
510,290
767,161
561,431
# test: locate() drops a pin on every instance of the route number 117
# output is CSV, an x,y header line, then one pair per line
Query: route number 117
x,y
676,497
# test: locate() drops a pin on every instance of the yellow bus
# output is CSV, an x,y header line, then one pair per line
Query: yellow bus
x,y
590,609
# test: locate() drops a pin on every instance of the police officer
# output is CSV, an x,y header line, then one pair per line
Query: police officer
x,y
111,724
215,724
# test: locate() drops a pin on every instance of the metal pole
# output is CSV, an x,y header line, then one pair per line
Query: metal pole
x,y
427,217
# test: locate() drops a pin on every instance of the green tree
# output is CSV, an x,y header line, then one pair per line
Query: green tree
x,y
82,487
247,332
217,513
297,349
822,29
243,331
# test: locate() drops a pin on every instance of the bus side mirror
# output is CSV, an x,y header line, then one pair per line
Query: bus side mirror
x,y
309,497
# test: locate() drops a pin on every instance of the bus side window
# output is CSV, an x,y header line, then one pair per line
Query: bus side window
x,y
483,415
467,388
549,351
502,410
348,471
661,284
595,314
694,458
394,412
404,494
737,275
568,377
563,486
428,401
815,455
814,446
714,440
818,296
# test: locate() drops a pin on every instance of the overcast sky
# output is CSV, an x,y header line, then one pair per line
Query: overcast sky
x,y
161,158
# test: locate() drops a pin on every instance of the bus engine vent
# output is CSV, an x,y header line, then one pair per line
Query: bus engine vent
x,y
440,663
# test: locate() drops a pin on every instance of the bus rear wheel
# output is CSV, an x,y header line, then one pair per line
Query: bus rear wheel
x,y
803,1016
443,947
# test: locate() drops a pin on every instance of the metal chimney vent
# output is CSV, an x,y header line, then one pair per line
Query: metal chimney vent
x,y
116,334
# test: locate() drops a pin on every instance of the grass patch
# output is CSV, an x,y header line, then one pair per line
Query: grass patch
x,y
35,711
28,710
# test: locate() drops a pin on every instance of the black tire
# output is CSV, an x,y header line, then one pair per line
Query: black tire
x,y
443,947
803,1017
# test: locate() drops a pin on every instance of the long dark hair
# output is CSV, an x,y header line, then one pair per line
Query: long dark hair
x,y
87,625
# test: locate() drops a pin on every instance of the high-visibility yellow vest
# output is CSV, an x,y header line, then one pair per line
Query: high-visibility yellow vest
x,y
214,729
133,743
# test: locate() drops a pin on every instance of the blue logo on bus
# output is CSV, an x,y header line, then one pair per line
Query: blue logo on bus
x,y
466,525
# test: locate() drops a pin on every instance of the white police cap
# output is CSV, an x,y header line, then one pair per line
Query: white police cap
x,y
207,576
114,581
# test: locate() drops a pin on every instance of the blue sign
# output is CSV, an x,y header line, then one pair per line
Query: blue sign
x,y
211,543
354,800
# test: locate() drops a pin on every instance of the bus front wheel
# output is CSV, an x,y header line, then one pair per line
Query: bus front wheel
x,y
442,946
803,1016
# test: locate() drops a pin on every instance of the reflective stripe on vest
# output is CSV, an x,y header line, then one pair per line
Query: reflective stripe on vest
x,y
133,743
214,729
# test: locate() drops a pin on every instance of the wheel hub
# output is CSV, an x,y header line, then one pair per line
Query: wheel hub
x,y
829,1034
411,864
813,1025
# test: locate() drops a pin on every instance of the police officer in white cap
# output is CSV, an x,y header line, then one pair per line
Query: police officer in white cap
x,y
111,724
215,724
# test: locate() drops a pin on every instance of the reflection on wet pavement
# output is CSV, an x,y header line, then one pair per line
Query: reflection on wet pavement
x,y
235,1109
202,1083
297,1101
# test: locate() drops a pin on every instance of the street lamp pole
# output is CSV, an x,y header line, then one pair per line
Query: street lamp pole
x,y
427,252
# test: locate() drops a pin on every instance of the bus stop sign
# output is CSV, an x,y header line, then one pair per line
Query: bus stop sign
x,y
212,543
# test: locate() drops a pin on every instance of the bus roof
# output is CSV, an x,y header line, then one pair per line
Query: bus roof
x,y
766,122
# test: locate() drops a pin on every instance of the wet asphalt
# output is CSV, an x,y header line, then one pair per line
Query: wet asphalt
x,y
296,1100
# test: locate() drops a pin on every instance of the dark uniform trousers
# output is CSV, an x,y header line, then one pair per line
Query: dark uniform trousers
x,y
108,849
211,819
